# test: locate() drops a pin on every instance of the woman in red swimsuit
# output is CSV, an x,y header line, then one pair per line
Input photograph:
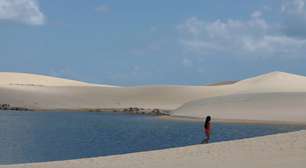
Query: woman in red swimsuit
x,y
207,129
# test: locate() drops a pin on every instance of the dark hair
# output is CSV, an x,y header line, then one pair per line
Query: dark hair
x,y
207,120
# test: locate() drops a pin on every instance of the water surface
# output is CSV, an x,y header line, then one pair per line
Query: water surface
x,y
47,136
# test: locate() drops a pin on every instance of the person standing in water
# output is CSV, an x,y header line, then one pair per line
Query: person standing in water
x,y
207,129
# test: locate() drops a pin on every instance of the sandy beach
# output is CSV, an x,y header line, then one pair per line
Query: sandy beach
x,y
274,97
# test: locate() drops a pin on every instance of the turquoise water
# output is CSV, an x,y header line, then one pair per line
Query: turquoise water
x,y
47,136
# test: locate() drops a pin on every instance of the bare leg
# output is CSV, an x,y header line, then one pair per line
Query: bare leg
x,y
207,138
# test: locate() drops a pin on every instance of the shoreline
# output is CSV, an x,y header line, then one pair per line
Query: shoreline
x,y
233,121
166,115
130,110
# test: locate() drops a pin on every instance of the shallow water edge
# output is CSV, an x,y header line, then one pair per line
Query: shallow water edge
x,y
233,121
164,114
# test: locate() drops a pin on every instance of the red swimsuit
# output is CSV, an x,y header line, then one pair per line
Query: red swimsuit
x,y
207,130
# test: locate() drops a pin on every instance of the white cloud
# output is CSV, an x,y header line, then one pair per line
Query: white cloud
x,y
103,8
293,6
25,11
251,37
294,14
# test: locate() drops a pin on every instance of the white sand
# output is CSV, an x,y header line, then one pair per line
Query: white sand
x,y
276,107
11,78
275,151
275,96
49,93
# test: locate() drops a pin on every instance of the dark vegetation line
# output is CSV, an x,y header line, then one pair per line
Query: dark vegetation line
x,y
9,107
131,110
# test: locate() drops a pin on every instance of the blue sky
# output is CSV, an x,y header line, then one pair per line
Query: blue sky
x,y
153,42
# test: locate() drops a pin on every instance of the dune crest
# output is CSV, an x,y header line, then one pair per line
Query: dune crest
x,y
240,100
281,79
26,79
269,107
276,96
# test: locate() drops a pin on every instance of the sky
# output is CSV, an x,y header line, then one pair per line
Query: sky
x,y
141,42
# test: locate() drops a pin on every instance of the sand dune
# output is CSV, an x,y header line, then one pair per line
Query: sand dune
x,y
273,82
273,96
82,97
26,79
281,151
287,106
43,92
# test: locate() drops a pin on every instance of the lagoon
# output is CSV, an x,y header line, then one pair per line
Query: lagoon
x,y
27,137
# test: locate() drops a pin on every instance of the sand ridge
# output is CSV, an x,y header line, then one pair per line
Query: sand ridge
x,y
27,79
282,106
240,100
